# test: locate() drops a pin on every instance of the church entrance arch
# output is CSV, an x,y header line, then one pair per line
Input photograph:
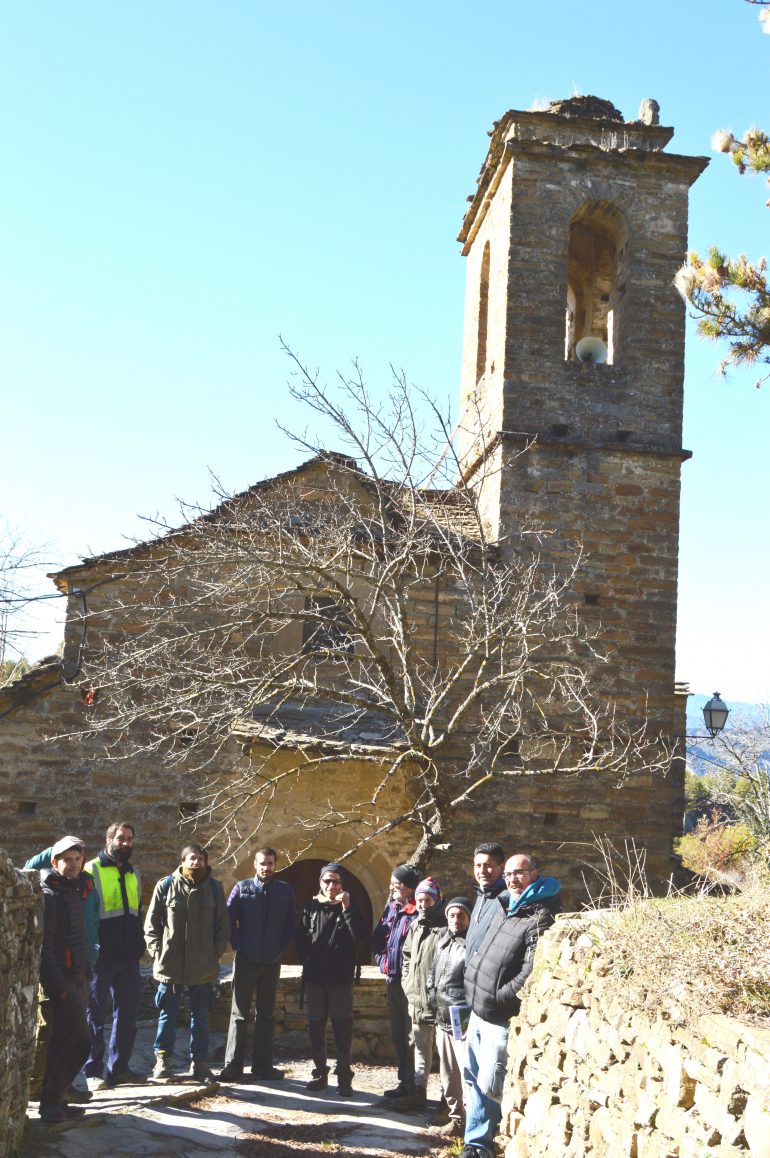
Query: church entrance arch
x,y
303,877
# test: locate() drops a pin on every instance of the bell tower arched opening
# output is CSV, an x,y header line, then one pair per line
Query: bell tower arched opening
x,y
596,277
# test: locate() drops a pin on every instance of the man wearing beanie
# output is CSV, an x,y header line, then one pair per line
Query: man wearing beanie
x,y
419,949
446,992
494,976
326,939
387,946
64,974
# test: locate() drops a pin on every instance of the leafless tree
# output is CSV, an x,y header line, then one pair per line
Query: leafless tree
x,y
358,606
17,560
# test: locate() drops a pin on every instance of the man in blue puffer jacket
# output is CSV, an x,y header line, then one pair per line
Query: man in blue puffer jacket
x,y
494,976
263,916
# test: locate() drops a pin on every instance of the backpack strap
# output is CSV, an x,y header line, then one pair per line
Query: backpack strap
x,y
165,886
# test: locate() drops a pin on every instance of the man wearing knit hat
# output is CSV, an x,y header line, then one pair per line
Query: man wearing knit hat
x,y
419,948
326,938
388,946
446,994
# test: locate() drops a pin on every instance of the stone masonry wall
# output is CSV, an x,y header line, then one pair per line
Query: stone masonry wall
x,y
590,1072
21,929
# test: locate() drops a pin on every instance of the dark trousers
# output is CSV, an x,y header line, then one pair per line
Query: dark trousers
x,y
68,1045
334,1003
43,1036
260,982
117,981
401,1032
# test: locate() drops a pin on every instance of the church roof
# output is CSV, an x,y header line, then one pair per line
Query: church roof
x,y
447,511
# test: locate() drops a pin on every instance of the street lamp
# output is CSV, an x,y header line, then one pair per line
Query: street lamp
x,y
715,715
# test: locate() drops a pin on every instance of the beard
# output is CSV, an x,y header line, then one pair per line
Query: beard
x,y
119,853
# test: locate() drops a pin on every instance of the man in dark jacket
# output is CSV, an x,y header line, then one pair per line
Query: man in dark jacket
x,y
388,948
326,944
446,989
494,976
262,921
488,861
64,973
116,979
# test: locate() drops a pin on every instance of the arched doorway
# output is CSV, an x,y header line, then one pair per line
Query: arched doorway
x,y
303,877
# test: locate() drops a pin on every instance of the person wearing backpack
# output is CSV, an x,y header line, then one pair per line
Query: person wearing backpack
x,y
187,930
262,921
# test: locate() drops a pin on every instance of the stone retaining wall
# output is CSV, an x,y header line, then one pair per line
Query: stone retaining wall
x,y
21,930
592,1073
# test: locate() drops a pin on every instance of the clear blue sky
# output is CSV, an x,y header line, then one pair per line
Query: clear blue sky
x,y
184,181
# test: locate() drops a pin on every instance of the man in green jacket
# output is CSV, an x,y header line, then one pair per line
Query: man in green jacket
x,y
187,930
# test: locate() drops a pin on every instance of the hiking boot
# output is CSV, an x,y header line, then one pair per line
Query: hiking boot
x,y
74,1112
124,1077
319,1080
231,1073
412,1102
345,1087
201,1072
399,1091
162,1071
53,1114
74,1094
454,1128
440,1115
271,1075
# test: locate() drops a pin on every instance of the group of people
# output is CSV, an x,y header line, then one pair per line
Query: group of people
x,y
454,972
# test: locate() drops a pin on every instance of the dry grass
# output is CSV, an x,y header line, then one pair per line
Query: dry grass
x,y
689,955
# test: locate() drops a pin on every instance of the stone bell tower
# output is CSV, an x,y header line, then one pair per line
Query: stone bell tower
x,y
576,230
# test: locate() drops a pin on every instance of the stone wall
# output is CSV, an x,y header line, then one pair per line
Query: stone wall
x,y
371,1027
591,1072
21,929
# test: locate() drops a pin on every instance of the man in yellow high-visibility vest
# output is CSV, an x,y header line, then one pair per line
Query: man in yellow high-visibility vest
x,y
116,975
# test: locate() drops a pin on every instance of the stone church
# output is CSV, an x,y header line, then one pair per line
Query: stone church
x,y
571,418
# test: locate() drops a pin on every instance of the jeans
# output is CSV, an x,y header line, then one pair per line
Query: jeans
x,y
261,982
119,979
486,1059
168,1000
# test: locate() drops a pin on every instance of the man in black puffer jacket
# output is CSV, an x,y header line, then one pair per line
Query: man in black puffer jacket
x,y
494,976
326,945
64,974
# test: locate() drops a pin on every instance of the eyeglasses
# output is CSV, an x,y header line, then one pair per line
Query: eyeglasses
x,y
331,881
518,873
